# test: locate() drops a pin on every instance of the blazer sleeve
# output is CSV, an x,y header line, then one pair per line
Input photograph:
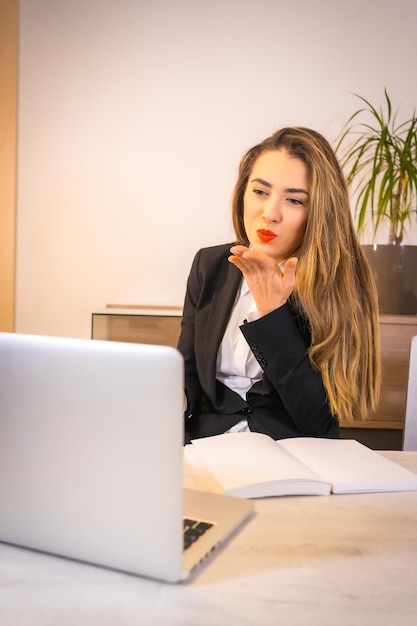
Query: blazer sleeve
x,y
280,345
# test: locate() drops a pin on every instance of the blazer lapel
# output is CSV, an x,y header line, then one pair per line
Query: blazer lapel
x,y
224,295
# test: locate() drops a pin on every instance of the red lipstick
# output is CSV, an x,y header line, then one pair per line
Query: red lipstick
x,y
265,235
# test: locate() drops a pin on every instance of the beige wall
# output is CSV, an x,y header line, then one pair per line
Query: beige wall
x,y
8,69
133,115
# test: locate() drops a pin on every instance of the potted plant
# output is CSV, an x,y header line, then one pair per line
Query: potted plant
x,y
379,157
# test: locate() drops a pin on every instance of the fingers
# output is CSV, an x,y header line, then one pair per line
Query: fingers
x,y
290,267
237,261
270,285
244,257
238,250
250,260
241,258
252,264
288,277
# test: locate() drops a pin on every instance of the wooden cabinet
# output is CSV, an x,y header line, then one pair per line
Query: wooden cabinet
x,y
138,324
396,334
161,325
384,429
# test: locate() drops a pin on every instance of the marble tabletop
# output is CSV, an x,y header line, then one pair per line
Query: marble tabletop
x,y
334,560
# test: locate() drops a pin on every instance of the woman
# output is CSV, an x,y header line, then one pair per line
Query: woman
x,y
280,331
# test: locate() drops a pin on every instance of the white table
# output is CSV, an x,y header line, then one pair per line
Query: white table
x,y
335,560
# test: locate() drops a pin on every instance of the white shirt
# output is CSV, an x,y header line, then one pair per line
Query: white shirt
x,y
237,368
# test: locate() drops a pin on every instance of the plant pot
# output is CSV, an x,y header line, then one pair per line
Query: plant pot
x,y
395,271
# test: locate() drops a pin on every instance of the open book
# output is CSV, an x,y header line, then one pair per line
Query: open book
x,y
252,465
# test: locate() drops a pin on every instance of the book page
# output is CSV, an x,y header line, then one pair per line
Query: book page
x,y
196,474
238,460
350,466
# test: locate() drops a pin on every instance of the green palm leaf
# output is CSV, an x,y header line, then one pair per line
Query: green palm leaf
x,y
379,158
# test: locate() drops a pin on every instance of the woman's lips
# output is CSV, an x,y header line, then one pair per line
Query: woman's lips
x,y
265,235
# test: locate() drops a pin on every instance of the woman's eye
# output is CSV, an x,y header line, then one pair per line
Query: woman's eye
x,y
296,201
259,192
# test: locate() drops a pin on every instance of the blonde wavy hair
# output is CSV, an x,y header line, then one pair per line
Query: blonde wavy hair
x,y
335,289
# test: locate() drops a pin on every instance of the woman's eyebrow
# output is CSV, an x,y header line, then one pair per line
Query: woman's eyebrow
x,y
289,190
295,190
262,181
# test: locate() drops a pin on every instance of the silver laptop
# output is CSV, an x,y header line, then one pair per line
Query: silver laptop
x,y
91,457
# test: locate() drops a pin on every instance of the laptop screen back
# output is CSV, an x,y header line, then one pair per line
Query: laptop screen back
x,y
91,451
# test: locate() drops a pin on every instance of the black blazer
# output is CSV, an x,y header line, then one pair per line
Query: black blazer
x,y
290,401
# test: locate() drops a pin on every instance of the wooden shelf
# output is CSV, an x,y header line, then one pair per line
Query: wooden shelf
x,y
153,325
396,334
161,324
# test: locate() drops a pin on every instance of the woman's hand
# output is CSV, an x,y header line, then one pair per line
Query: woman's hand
x,y
269,286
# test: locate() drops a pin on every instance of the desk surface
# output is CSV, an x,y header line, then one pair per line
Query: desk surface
x,y
331,560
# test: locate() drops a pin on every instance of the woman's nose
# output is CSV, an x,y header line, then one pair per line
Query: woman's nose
x,y
271,212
